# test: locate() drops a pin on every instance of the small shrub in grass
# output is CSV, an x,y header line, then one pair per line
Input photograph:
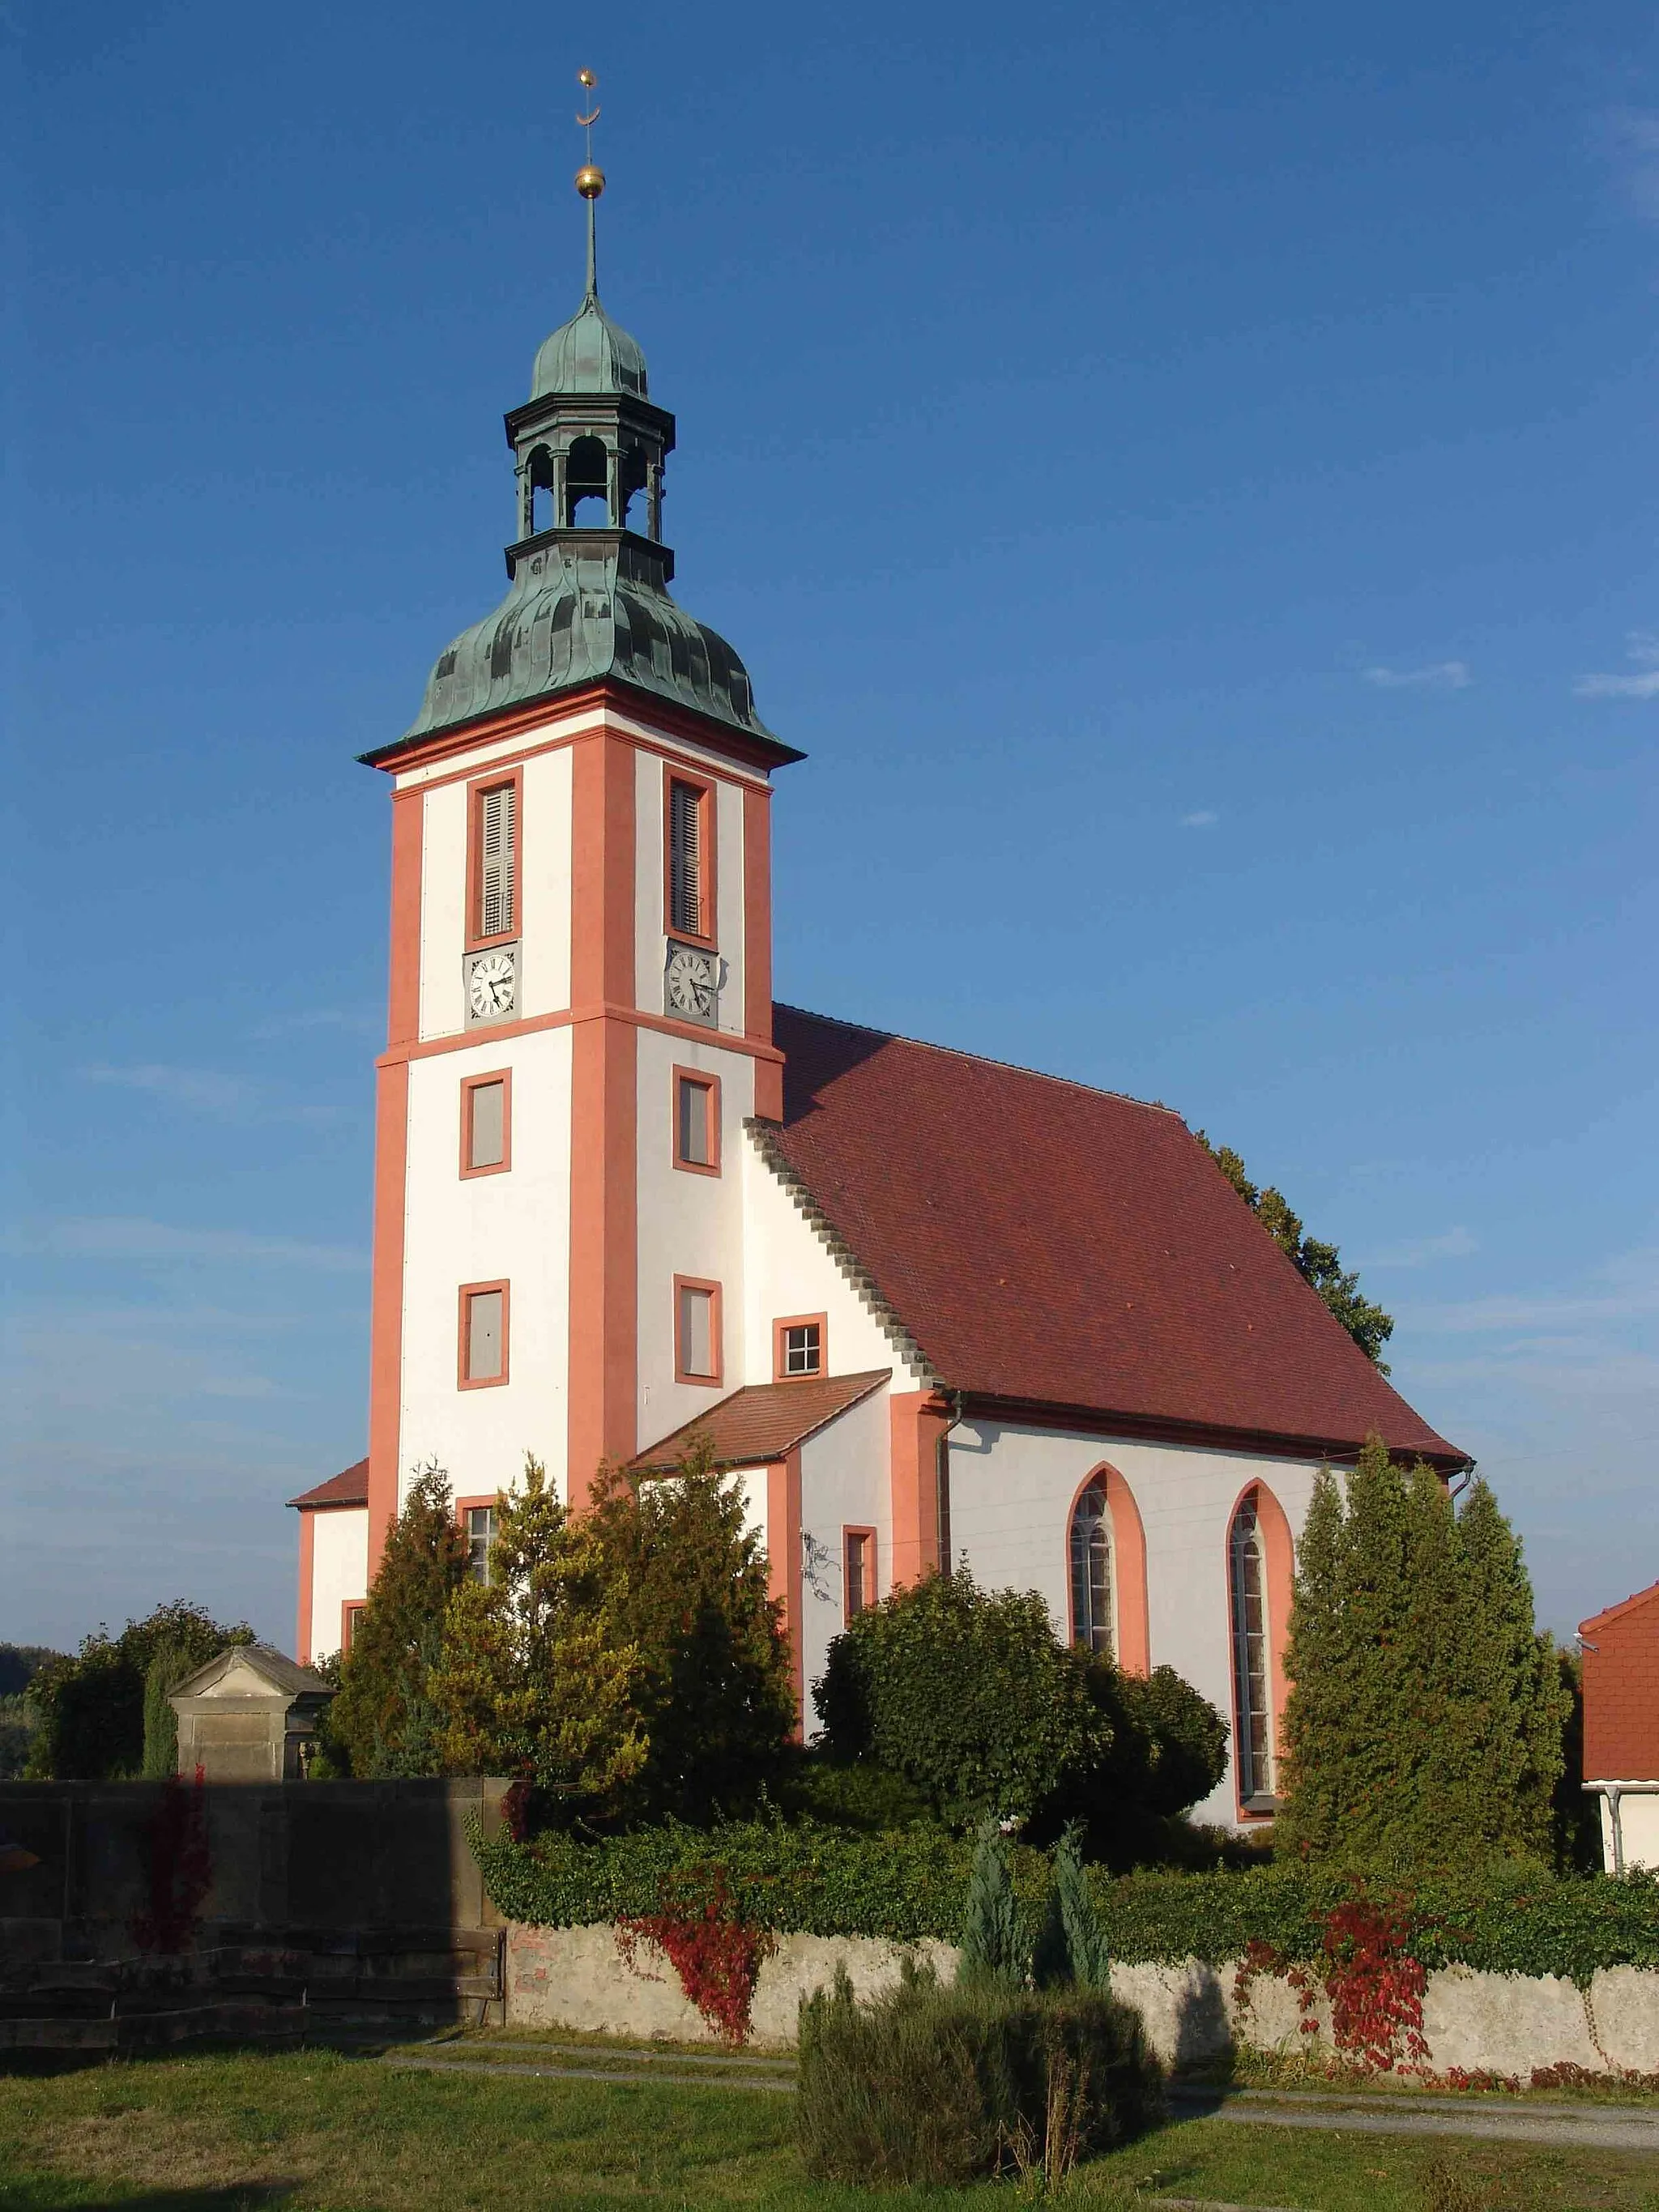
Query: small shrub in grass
x,y
938,2086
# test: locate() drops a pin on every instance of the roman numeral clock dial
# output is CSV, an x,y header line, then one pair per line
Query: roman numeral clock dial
x,y
492,985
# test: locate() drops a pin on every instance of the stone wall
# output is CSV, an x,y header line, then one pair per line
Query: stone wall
x,y
577,1977
348,1857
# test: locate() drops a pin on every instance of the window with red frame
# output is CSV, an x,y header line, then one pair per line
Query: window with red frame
x,y
495,840
860,1550
688,859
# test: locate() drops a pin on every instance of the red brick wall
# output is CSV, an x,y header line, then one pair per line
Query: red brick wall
x,y
1621,1695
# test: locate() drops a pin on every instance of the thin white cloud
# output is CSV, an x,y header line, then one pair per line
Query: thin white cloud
x,y
1204,819
1628,1291
202,1090
1438,676
1643,647
364,1022
126,1236
207,1091
1455,1244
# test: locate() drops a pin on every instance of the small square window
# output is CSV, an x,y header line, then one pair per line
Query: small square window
x,y
798,1347
486,1132
483,1334
696,1332
480,1535
801,1349
861,1570
696,1121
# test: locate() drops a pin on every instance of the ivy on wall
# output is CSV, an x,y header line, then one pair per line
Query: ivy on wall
x,y
911,1883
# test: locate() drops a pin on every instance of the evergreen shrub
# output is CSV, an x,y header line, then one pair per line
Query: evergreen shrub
x,y
910,1884
90,1707
932,2086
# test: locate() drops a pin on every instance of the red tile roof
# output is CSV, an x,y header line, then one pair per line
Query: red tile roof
x,y
764,1420
1621,1690
349,1487
1053,1246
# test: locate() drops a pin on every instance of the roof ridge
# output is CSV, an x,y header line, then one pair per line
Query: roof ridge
x,y
985,1060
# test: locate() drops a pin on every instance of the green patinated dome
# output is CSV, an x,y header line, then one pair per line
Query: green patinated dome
x,y
589,354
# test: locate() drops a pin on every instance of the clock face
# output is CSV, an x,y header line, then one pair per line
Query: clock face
x,y
492,985
691,984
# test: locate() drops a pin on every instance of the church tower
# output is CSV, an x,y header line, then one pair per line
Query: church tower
x,y
580,1015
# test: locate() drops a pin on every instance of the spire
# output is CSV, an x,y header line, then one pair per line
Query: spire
x,y
590,182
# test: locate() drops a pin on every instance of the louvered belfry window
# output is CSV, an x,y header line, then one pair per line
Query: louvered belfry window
x,y
497,861
685,859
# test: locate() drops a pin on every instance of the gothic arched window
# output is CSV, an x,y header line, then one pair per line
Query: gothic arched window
x,y
1247,1582
1091,1571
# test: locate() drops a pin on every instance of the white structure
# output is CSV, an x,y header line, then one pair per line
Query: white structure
x,y
933,1307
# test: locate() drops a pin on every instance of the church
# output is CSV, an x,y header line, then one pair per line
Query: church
x,y
929,1309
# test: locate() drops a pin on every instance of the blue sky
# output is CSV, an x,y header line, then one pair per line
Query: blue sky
x,y
1185,475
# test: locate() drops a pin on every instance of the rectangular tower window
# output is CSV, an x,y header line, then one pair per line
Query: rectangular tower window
x,y
697,1331
696,1121
798,1347
690,860
483,1334
486,1124
860,1548
494,864
480,1535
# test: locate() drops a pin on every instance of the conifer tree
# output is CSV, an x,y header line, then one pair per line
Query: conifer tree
x,y
382,1721
716,1693
1071,1945
991,1956
1425,1714
535,1678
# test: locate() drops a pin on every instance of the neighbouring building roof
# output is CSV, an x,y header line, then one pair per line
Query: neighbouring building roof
x,y
765,1421
1621,1676
349,1487
1052,1246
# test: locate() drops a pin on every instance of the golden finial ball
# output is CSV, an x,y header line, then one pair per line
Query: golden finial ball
x,y
587,79
590,181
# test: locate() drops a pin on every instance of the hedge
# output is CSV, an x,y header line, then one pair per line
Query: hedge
x,y
805,1879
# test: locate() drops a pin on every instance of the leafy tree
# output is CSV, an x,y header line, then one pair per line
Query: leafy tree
x,y
1316,1263
19,1665
534,1678
90,1706
715,1693
1425,1716
967,1693
381,1722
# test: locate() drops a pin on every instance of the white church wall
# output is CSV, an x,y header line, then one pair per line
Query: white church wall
x,y
1011,1492
545,844
790,1271
339,1570
689,1225
483,1228
443,908
844,1483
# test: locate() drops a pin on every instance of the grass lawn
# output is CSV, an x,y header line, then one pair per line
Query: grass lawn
x,y
317,2131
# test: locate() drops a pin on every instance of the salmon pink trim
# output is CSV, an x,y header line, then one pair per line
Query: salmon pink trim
x,y
349,1609
477,790
708,928
605,1116
1131,1621
468,1291
716,1344
307,1569
386,1359
470,1085
783,1563
634,1017
779,1349
403,981
710,1087
872,1589
916,1422
758,922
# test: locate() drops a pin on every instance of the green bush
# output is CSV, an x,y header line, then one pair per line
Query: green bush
x,y
90,1708
926,2085
817,1881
